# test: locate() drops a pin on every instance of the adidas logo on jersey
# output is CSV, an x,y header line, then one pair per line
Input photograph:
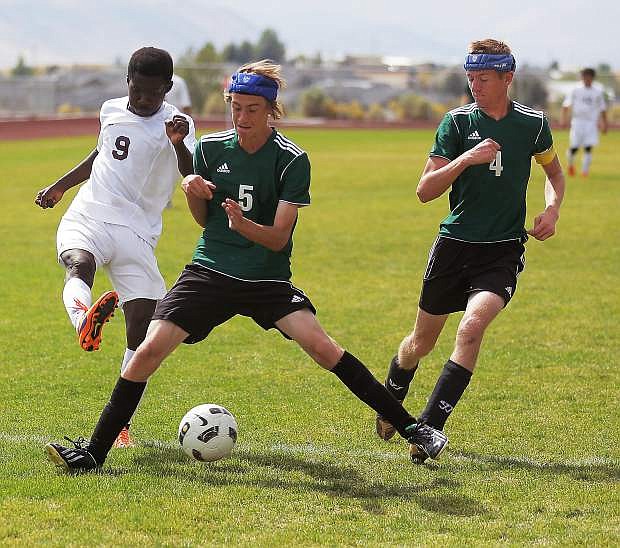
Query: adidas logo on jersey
x,y
509,291
223,168
297,299
474,135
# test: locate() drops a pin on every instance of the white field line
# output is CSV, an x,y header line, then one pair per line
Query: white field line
x,y
300,449
329,451
525,461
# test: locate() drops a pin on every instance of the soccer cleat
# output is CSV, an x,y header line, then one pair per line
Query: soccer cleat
x,y
425,441
76,459
571,171
416,454
89,333
584,174
124,440
385,429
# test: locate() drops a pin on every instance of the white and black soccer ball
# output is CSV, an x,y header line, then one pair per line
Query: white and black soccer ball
x,y
208,432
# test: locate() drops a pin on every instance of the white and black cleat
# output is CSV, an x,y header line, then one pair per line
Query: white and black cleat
x,y
72,459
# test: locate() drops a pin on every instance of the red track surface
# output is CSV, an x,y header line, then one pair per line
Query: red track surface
x,y
39,128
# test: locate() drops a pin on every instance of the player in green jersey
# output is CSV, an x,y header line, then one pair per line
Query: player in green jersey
x,y
248,187
483,154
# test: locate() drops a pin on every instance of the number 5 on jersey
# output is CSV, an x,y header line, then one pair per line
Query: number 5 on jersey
x,y
245,197
496,165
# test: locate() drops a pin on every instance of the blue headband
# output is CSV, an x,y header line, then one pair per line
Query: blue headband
x,y
253,84
503,62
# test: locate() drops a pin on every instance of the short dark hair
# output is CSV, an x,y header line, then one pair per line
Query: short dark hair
x,y
588,72
150,61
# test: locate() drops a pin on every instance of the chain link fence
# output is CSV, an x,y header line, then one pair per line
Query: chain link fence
x,y
354,91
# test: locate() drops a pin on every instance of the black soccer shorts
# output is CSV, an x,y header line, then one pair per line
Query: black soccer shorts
x,y
457,269
202,299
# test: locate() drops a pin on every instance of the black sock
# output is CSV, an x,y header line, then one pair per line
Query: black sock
x,y
116,414
361,382
448,391
398,379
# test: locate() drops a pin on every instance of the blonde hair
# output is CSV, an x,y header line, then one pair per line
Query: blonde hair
x,y
489,45
268,69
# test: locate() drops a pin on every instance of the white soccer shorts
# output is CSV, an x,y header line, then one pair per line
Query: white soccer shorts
x,y
128,259
583,134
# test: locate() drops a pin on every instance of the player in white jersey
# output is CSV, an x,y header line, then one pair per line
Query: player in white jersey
x,y
115,219
180,98
587,105
179,95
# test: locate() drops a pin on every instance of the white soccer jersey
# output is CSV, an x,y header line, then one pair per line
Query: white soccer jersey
x,y
134,174
586,103
179,94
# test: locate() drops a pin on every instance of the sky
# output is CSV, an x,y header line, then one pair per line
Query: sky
x,y
574,33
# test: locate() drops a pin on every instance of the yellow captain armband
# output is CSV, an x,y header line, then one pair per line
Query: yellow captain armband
x,y
545,157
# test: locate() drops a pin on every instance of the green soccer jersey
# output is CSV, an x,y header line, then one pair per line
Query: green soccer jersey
x,y
487,201
278,171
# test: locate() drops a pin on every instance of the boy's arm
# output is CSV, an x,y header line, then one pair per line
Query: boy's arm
x,y
197,192
51,195
604,124
544,224
439,173
177,129
273,237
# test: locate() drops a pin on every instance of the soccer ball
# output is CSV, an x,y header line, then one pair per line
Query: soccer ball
x,y
208,432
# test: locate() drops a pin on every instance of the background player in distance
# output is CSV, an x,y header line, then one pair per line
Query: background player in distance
x,y
179,95
588,109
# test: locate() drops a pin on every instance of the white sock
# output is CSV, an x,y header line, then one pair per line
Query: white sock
x,y
587,160
126,358
76,291
570,155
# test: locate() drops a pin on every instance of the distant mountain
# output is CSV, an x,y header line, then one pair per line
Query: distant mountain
x,y
69,31
577,33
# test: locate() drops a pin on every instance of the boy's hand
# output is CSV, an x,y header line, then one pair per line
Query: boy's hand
x,y
48,196
234,213
195,185
544,224
177,129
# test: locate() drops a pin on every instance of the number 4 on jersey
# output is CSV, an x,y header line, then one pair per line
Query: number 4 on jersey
x,y
496,165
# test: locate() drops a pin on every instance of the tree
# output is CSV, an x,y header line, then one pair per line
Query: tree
x,y
454,83
270,47
412,107
376,112
215,105
246,53
240,54
605,76
230,53
207,54
202,73
530,89
21,69
313,103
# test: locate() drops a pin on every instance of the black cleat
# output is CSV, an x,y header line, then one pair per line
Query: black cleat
x,y
425,441
77,459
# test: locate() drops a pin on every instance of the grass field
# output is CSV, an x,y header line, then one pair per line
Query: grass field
x,y
534,455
